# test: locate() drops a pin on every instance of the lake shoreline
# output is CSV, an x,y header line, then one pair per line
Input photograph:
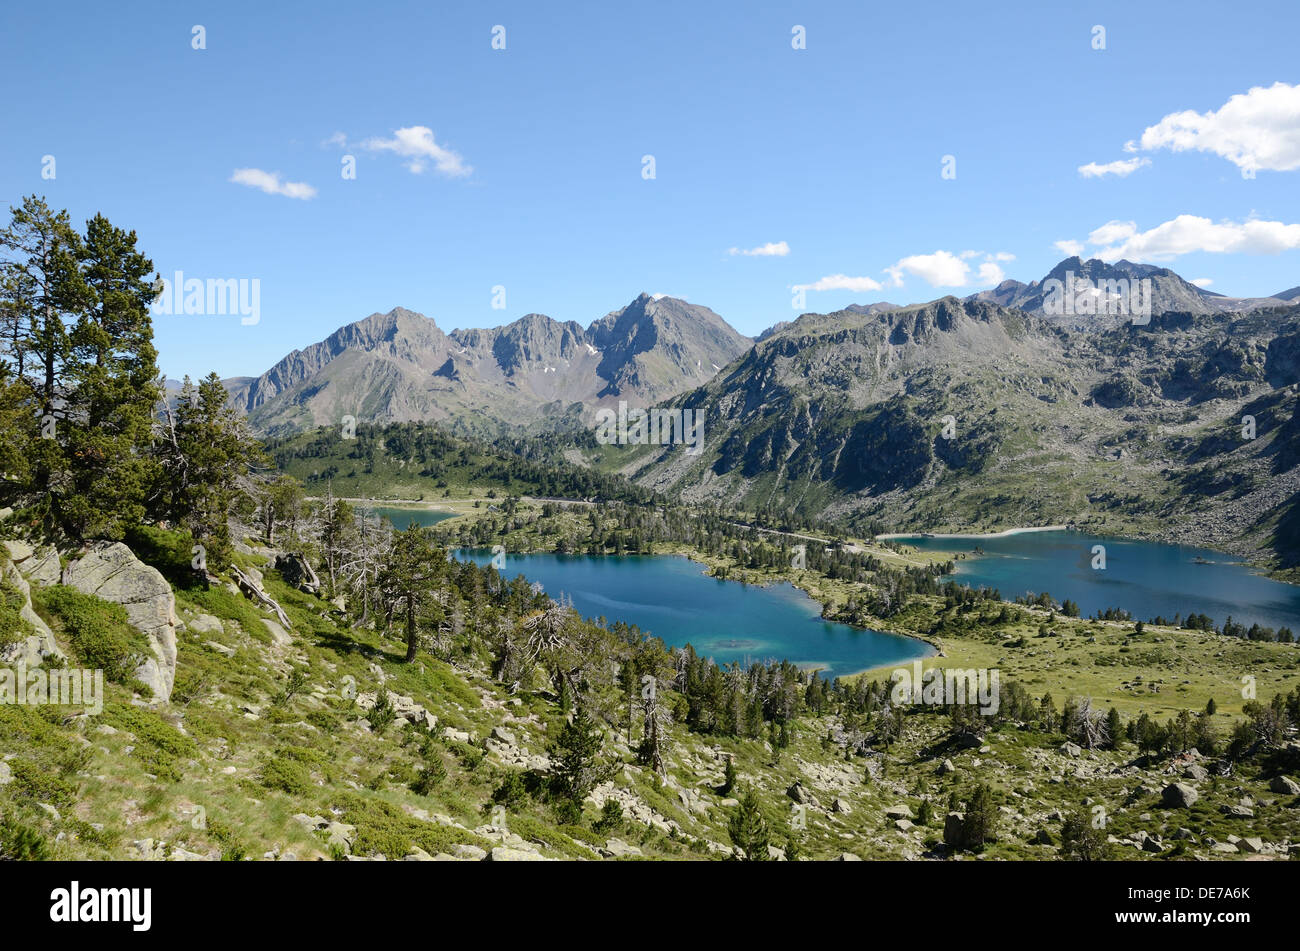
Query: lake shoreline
x,y
892,536
821,606
697,558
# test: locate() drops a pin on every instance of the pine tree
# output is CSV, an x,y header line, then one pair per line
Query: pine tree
x,y
112,386
205,456
337,533
41,291
1114,727
16,432
575,770
980,822
282,501
1081,841
748,829
413,564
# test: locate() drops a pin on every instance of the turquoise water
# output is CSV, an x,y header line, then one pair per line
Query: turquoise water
x,y
670,597
1147,579
402,517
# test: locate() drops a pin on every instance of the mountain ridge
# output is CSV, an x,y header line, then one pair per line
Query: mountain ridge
x,y
401,367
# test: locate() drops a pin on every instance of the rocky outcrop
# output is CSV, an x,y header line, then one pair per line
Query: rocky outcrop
x,y
38,645
110,571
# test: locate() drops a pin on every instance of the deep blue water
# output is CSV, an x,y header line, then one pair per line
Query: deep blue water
x,y
670,597
1147,579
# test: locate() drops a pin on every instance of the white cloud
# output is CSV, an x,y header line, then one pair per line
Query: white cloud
x,y
777,249
945,269
940,269
1186,234
1189,233
416,143
270,183
1201,282
1113,231
337,139
841,282
1070,249
1120,167
1259,129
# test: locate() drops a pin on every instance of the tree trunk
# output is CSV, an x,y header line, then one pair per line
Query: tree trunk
x,y
410,629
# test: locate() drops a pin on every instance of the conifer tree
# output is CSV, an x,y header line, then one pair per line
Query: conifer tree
x,y
980,822
748,829
407,581
575,769
205,456
41,289
112,386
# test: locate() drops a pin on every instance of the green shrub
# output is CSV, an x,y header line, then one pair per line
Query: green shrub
x,y
41,784
287,775
383,829
171,552
431,777
21,843
149,728
611,817
98,632
513,791
382,714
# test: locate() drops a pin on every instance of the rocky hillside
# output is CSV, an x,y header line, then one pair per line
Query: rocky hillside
x,y
958,414
1169,293
401,367
292,732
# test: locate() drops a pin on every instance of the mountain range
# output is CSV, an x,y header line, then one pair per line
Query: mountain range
x,y
1107,422
401,367
1169,292
964,414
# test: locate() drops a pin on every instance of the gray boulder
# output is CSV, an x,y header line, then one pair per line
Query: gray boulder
x,y
110,571
799,793
953,829
1179,796
503,854
1285,785
38,645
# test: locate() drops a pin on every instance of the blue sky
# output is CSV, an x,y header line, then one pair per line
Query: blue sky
x,y
530,175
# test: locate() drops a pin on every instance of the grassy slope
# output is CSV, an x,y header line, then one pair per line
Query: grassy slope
x,y
223,744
